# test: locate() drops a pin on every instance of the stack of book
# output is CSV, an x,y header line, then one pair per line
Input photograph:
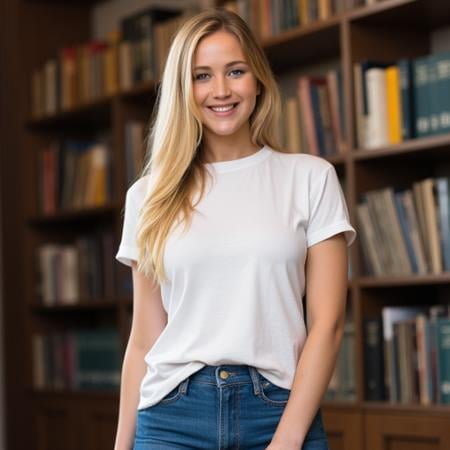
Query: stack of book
x,y
97,69
82,272
315,117
77,360
402,100
406,231
270,17
74,174
407,355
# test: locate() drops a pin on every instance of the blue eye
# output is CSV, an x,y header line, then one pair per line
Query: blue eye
x,y
200,76
240,71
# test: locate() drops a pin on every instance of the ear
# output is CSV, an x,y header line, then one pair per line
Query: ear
x,y
258,88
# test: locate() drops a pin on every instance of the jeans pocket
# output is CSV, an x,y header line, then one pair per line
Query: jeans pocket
x,y
176,393
273,394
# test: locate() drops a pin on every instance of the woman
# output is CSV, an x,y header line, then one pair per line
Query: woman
x,y
223,233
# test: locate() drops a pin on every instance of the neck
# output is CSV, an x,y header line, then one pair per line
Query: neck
x,y
227,148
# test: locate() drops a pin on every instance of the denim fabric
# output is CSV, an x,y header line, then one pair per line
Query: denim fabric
x,y
220,408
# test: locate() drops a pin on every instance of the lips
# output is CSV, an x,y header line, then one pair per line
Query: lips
x,y
223,108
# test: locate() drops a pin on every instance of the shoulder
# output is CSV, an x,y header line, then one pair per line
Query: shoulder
x,y
136,193
303,164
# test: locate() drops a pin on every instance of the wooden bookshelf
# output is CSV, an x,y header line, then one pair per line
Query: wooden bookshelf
x,y
389,29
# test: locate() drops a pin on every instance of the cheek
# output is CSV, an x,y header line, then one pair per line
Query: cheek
x,y
198,94
250,88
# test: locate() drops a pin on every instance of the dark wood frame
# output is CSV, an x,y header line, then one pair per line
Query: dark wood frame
x,y
26,41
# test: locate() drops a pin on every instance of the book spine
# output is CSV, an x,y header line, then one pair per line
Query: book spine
x,y
374,360
421,96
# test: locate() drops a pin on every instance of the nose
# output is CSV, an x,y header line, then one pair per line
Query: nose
x,y
221,88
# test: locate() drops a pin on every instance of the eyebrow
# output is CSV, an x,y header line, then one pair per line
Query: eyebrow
x,y
232,63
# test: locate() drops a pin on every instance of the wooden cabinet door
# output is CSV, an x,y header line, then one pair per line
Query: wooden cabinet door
x,y
344,429
406,432
54,427
72,423
99,424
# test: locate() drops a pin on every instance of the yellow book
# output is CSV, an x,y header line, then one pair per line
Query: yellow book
x,y
303,12
111,73
393,104
324,9
293,125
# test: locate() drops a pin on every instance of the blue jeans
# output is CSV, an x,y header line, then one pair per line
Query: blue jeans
x,y
220,408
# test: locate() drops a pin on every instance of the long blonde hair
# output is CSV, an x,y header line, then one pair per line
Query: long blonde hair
x,y
174,150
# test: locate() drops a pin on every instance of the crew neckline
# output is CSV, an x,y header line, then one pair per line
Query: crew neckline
x,y
240,163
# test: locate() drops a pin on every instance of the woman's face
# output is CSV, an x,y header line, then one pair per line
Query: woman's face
x,y
225,89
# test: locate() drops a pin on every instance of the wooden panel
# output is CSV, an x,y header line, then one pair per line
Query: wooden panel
x,y
344,429
53,426
398,432
100,428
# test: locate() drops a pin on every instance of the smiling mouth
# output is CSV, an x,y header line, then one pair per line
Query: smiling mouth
x,y
223,109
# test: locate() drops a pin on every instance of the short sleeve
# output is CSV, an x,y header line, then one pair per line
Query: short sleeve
x,y
328,214
128,250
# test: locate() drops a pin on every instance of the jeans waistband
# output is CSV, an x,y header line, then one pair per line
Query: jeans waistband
x,y
228,374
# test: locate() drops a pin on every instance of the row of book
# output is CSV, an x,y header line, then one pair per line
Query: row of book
x,y
342,386
77,360
81,272
96,69
406,231
407,355
270,17
74,174
402,100
313,121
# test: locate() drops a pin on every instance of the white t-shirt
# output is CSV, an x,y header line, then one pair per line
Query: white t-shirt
x,y
236,279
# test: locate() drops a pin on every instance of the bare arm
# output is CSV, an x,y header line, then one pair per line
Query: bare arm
x,y
326,290
149,320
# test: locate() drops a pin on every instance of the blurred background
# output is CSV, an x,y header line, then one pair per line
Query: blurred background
x,y
365,84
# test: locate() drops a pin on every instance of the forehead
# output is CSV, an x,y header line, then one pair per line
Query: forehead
x,y
218,47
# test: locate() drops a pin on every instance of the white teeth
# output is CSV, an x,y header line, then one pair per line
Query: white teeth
x,y
222,108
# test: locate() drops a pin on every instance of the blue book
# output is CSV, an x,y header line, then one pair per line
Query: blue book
x,y
422,96
407,99
442,190
441,92
443,360
405,230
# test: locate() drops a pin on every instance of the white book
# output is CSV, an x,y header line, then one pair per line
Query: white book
x,y
377,119
69,276
391,315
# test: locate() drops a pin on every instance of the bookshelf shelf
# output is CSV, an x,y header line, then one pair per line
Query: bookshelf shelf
x,y
341,405
407,408
143,92
308,43
422,14
85,305
411,280
433,145
63,217
73,394
95,113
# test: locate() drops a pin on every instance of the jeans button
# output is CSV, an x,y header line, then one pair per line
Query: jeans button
x,y
224,374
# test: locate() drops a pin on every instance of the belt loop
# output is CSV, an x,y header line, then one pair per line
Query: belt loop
x,y
255,379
